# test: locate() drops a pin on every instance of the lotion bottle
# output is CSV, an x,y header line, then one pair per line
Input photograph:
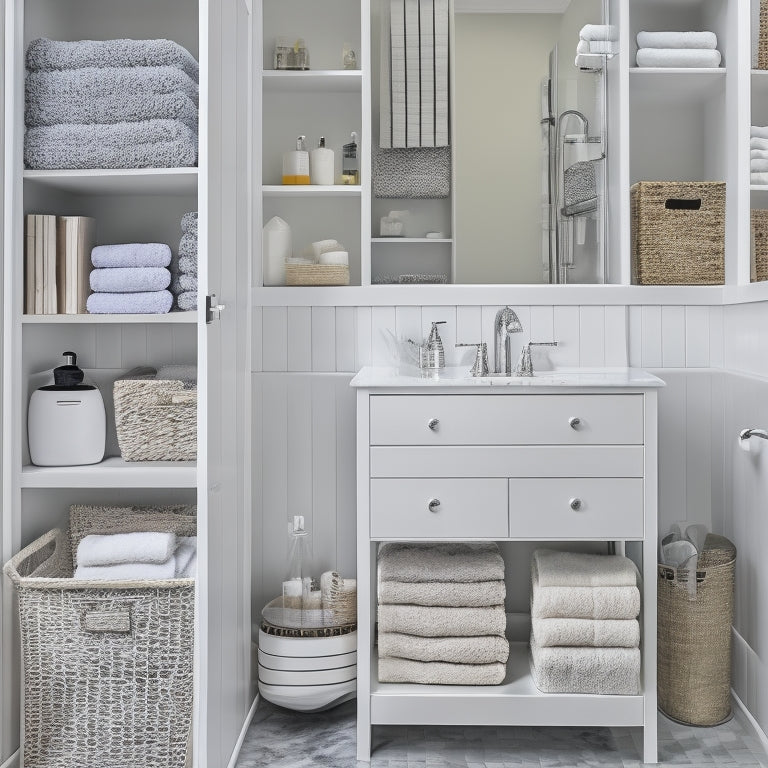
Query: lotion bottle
x,y
296,164
322,164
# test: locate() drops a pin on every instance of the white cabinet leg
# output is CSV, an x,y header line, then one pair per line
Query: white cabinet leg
x,y
363,740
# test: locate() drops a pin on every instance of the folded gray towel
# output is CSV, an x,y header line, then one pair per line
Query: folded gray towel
x,y
486,649
131,255
183,283
187,301
430,621
148,303
187,265
471,595
606,633
147,144
575,569
47,54
188,245
449,562
130,279
189,222
439,673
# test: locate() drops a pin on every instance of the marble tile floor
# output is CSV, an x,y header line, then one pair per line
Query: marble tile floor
x,y
279,738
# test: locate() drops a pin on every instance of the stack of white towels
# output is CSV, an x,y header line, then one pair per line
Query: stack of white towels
x,y
441,614
758,155
585,635
677,49
130,278
184,265
110,104
595,41
144,556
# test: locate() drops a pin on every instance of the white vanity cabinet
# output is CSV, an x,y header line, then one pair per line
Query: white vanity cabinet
x,y
551,458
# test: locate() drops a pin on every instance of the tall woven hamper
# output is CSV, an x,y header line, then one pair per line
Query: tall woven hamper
x,y
107,666
678,233
694,637
759,221
762,44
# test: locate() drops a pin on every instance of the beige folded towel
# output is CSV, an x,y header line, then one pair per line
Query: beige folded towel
x,y
606,633
586,670
448,561
439,673
443,593
572,569
486,649
428,621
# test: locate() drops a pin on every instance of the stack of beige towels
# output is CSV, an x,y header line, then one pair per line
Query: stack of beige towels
x,y
441,614
585,635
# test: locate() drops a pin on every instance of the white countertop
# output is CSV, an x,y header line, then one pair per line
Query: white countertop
x,y
409,376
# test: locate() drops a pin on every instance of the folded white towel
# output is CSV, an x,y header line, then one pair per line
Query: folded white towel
x,y
128,571
486,649
118,548
701,40
583,46
445,562
572,569
611,633
186,550
599,32
758,179
758,165
602,46
756,142
678,57
586,670
758,154
439,673
472,595
428,621
588,61
759,131
191,570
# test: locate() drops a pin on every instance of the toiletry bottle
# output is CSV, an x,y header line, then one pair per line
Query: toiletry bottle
x,y
322,164
350,173
296,164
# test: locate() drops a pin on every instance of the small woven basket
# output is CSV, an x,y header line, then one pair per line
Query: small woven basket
x,y
759,271
316,274
156,420
762,43
694,637
108,666
678,233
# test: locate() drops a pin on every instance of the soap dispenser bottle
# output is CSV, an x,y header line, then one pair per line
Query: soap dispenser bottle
x,y
322,163
66,423
296,164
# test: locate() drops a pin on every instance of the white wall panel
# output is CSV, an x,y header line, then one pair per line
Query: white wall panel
x,y
716,338
568,337
382,343
591,336
635,337
323,339
616,353
345,338
469,325
274,338
673,337
363,355
650,346
408,324
697,337
299,339
109,346
256,339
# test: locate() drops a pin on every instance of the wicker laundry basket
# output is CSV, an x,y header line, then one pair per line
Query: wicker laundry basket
x,y
678,233
762,43
107,666
156,419
759,271
694,637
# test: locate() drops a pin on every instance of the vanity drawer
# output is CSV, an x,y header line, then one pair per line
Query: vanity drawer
x,y
400,508
576,508
506,419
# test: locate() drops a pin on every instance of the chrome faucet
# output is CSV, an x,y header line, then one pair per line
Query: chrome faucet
x,y
507,323
525,366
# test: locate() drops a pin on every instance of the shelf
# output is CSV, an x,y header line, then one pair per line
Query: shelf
x,y
331,81
516,700
113,472
131,181
676,83
409,240
317,190
172,318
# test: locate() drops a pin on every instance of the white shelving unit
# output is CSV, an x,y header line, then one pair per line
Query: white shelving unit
x,y
172,318
132,181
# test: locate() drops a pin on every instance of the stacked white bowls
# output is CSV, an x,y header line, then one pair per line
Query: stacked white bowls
x,y
307,674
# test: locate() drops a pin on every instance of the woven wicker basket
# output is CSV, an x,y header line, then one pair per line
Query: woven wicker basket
x,y
694,637
316,274
108,666
759,271
156,420
762,44
678,233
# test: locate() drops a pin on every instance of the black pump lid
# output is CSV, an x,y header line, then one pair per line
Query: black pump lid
x,y
68,375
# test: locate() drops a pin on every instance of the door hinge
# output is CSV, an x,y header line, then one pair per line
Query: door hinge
x,y
212,309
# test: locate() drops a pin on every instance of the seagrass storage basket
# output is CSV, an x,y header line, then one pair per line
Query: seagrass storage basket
x,y
762,41
107,666
316,274
678,233
694,637
759,270
156,419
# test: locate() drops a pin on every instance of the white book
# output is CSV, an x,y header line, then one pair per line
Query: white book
x,y
29,266
412,74
39,262
385,83
75,242
397,46
427,60
442,136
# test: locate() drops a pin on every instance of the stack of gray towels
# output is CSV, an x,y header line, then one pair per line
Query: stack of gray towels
x,y
184,265
130,278
110,104
585,635
441,614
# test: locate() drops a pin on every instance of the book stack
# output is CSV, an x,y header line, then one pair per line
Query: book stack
x,y
57,264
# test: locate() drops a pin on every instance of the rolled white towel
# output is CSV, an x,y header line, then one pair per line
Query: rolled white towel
x,y
759,179
758,165
120,548
129,571
678,58
701,40
758,143
599,32
759,131
758,154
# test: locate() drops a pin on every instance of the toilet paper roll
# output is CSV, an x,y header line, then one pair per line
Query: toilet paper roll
x,y
322,246
292,588
339,258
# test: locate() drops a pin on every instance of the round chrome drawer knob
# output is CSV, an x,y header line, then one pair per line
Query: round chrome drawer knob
x,y
433,423
575,504
434,504
574,422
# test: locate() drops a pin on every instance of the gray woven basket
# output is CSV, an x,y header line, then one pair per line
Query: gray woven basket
x,y
694,638
678,233
759,271
156,420
108,666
